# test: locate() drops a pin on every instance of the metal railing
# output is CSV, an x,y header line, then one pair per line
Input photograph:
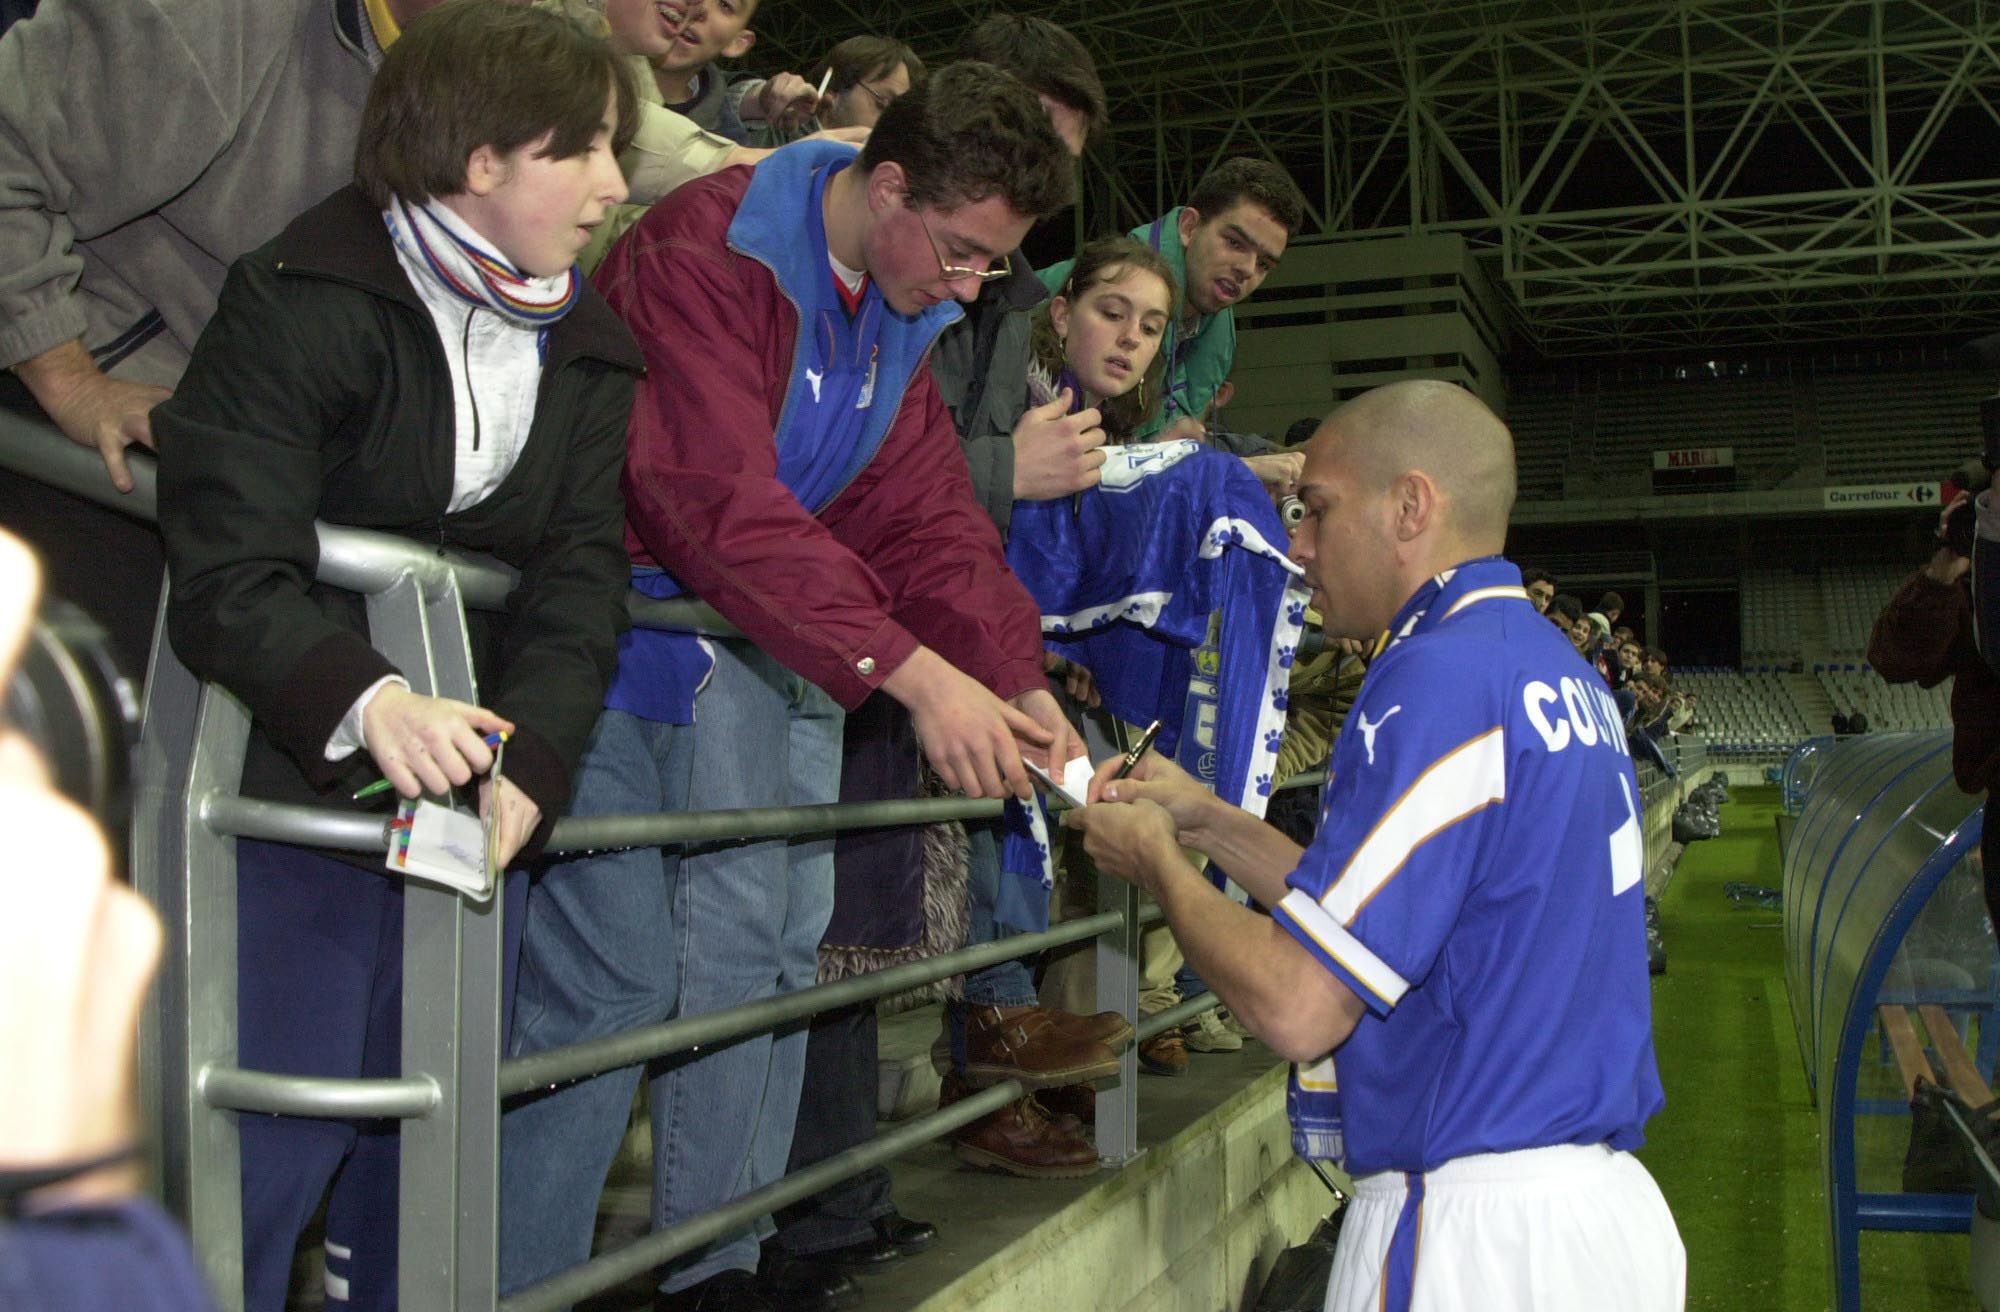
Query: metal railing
x,y
187,811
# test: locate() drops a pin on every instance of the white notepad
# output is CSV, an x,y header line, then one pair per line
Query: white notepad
x,y
1074,786
443,846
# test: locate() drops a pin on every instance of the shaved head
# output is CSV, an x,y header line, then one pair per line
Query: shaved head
x,y
1444,432
1399,483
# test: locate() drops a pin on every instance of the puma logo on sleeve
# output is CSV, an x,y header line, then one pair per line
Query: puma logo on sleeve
x,y
1368,730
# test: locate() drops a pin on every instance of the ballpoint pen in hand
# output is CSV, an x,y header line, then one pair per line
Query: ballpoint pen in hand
x,y
383,785
1131,760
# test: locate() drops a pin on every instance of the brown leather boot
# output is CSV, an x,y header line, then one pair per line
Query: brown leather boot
x,y
1073,1107
1109,1028
1027,1044
1164,1054
1019,1139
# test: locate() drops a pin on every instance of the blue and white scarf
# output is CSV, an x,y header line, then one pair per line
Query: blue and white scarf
x,y
1169,582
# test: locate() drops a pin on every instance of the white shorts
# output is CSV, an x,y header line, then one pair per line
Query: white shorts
x,y
1564,1229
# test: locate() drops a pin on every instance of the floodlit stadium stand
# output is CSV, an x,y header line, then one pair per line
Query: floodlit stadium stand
x,y
1805,644
1887,428
1749,713
1837,423
1853,596
1543,419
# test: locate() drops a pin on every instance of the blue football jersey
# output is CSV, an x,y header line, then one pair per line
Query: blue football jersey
x,y
1478,880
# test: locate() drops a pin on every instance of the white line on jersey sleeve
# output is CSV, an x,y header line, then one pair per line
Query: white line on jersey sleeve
x,y
1486,594
1458,784
1341,947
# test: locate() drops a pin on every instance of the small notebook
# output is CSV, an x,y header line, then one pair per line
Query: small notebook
x,y
445,846
1074,786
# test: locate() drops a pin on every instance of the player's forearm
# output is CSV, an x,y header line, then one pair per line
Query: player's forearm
x,y
1257,857
1255,967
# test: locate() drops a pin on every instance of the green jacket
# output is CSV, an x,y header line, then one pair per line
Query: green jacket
x,y
1197,362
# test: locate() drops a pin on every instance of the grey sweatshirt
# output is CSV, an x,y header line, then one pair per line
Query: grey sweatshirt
x,y
145,145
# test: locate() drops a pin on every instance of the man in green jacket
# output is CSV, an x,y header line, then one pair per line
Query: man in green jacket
x,y
1222,245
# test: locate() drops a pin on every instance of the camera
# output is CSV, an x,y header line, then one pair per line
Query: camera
x,y
71,700
1956,529
1292,511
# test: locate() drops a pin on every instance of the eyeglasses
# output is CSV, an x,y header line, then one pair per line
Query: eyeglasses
x,y
881,99
953,272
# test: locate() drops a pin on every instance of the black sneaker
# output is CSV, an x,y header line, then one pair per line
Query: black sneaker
x,y
803,1284
725,1291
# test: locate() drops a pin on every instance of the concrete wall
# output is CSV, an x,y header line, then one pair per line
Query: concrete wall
x,y
1193,1225
1337,318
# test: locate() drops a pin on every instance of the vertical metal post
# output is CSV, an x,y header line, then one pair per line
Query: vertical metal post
x,y
192,744
449,1222
1118,986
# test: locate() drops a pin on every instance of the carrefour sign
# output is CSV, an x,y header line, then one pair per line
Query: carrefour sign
x,y
1883,496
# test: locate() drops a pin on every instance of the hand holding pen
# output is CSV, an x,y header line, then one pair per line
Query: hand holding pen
x,y
383,784
1138,749
428,744
1143,772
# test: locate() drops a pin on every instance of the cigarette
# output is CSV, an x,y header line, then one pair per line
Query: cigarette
x,y
820,95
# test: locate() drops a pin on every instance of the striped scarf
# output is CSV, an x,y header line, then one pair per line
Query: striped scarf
x,y
468,266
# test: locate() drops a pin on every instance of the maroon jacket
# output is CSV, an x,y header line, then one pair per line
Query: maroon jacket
x,y
903,556
1924,635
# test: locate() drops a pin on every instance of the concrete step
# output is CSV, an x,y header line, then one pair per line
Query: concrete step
x,y
1191,1225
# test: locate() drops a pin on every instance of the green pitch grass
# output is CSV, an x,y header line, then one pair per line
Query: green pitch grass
x,y
1737,1149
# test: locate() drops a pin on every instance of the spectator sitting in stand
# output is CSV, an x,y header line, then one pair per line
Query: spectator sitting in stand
x,y
1541,585
1564,611
1223,243
863,75
486,152
1610,606
789,462
686,75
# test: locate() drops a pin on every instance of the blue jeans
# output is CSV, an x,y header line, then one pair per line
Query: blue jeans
x,y
747,921
597,959
627,938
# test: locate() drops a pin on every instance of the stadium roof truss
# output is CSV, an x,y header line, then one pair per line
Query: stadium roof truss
x,y
1635,176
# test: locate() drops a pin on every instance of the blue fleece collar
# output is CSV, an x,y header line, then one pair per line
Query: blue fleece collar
x,y
768,223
